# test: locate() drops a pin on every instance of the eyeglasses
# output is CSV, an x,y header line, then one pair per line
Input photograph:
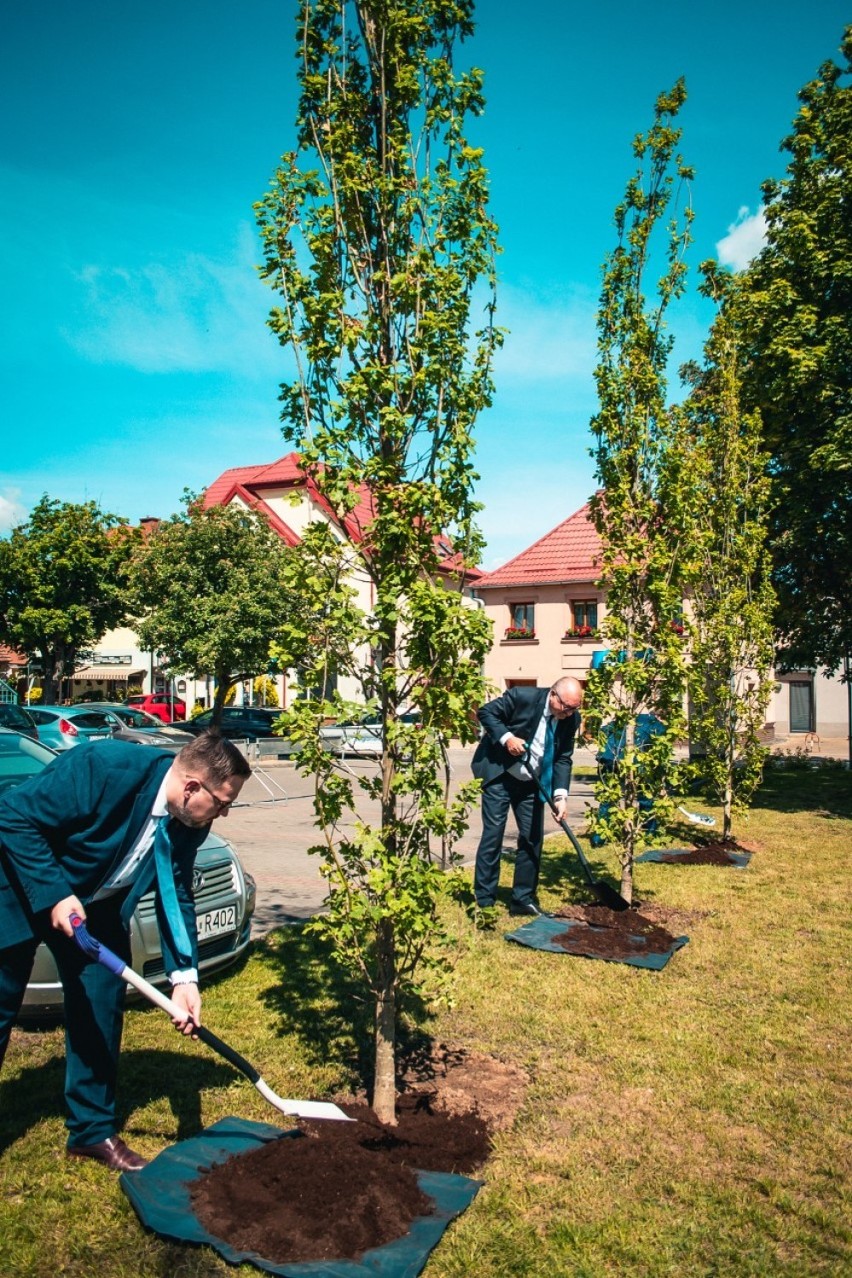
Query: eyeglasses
x,y
223,805
564,704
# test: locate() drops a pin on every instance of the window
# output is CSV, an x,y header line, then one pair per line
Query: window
x,y
585,616
522,616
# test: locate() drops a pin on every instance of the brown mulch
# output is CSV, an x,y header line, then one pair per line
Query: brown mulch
x,y
340,1189
612,934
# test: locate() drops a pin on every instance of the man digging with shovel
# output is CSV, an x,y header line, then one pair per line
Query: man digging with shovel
x,y
86,838
542,723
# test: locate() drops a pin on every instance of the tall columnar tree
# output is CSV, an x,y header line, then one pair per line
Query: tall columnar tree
x,y
637,510
208,587
62,584
798,369
731,596
378,238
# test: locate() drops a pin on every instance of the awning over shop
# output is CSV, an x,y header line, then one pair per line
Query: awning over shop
x,y
96,673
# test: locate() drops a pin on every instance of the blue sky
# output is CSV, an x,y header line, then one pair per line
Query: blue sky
x,y
134,357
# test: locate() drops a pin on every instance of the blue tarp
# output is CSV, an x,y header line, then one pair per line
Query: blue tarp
x,y
738,859
160,1195
539,934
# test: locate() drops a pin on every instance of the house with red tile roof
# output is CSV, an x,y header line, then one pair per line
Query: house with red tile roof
x,y
546,610
545,607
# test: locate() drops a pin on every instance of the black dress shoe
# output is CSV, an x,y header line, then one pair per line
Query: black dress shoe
x,y
112,1152
530,910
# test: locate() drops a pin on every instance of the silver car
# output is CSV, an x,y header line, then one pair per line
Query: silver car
x,y
224,899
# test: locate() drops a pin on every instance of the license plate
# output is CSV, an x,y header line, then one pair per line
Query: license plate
x,y
215,922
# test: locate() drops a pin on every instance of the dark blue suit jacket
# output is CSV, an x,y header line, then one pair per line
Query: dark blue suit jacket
x,y
63,832
518,711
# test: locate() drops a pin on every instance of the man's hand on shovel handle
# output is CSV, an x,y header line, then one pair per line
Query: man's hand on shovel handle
x,y
187,997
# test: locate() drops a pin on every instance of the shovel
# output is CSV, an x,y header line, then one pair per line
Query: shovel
x,y
101,954
605,894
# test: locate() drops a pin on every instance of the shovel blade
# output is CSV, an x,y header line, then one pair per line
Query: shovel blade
x,y
316,1109
609,897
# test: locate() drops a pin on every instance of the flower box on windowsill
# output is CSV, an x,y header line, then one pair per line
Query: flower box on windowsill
x,y
519,634
580,634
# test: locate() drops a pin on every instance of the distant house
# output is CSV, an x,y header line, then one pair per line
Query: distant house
x,y
546,611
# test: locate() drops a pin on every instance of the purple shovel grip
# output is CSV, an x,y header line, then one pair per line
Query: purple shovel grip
x,y
94,949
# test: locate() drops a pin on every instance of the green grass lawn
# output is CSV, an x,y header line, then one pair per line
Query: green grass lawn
x,y
693,1121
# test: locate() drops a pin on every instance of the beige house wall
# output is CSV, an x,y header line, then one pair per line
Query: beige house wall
x,y
551,653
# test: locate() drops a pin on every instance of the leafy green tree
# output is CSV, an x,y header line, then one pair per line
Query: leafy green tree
x,y
62,584
728,571
797,369
209,590
637,510
378,239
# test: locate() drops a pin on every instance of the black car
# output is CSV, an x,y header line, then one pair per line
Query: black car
x,y
17,719
239,723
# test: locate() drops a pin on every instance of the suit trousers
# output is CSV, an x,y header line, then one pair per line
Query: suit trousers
x,y
498,797
94,1014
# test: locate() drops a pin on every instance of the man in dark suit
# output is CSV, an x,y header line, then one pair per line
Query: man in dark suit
x,y
545,721
99,827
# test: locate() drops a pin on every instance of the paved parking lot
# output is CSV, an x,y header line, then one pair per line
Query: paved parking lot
x,y
274,827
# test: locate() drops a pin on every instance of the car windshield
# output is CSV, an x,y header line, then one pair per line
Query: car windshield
x,y
20,757
136,718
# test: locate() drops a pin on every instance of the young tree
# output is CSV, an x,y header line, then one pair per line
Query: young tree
x,y
209,590
377,237
62,584
638,506
731,596
797,370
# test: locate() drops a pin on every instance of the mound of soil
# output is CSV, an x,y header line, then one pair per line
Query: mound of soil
x,y
612,934
713,852
337,1189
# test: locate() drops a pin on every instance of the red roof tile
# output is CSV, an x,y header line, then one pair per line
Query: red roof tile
x,y
569,552
249,482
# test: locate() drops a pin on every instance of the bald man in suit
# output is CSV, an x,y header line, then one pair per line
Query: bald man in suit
x,y
513,723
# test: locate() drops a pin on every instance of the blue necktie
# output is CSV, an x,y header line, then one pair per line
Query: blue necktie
x,y
546,773
168,894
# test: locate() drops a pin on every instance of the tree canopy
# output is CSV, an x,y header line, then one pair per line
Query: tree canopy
x,y
62,583
209,591
797,369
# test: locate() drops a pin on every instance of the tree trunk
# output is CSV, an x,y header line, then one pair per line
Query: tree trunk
x,y
223,685
384,1088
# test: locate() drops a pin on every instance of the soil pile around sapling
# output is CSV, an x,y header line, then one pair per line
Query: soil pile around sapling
x,y
337,1189
714,852
611,934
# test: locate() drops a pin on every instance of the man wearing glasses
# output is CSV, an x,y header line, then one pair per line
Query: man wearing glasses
x,y
91,834
529,733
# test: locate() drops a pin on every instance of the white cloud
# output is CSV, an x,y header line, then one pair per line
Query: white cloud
x,y
11,510
745,238
194,314
546,340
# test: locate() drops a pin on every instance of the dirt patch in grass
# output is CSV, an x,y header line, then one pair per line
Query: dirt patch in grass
x,y
612,934
340,1189
712,852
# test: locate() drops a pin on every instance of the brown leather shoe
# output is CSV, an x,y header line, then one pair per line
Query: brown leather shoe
x,y
113,1152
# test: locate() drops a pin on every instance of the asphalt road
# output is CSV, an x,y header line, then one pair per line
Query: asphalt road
x,y
273,827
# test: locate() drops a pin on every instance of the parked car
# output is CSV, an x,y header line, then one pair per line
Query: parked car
x,y
130,724
241,723
224,898
161,704
62,727
17,718
359,736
